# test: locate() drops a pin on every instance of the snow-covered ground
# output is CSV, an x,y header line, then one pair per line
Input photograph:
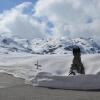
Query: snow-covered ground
x,y
54,70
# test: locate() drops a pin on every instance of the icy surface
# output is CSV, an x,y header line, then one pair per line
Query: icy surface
x,y
54,70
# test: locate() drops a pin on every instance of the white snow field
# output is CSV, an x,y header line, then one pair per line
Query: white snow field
x,y
54,70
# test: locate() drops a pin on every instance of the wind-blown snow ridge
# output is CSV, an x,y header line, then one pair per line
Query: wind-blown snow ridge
x,y
12,44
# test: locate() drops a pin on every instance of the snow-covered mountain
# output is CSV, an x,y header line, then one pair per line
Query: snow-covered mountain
x,y
12,44
64,46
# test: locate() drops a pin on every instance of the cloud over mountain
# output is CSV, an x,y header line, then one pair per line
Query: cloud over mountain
x,y
20,23
71,18
58,18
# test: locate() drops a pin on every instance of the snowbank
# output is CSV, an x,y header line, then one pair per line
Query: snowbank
x,y
79,82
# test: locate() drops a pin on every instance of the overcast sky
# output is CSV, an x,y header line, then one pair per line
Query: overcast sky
x,y
56,18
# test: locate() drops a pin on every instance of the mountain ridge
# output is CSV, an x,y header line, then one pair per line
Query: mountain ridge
x,y
10,44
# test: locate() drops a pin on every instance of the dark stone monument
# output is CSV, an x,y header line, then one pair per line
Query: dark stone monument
x,y
77,66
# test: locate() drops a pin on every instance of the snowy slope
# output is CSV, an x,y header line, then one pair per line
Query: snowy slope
x,y
53,71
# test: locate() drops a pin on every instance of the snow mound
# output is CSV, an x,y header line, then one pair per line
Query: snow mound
x,y
79,82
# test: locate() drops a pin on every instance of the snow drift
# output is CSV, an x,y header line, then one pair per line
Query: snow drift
x,y
53,71
79,82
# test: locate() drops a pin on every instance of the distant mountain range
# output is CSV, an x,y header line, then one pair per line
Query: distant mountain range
x,y
12,44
